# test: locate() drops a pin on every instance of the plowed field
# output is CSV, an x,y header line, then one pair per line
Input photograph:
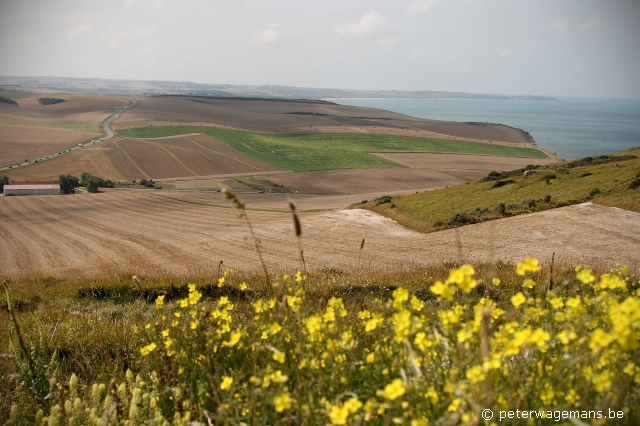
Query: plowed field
x,y
19,142
132,159
126,232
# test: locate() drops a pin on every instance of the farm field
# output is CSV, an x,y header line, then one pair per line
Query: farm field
x,y
303,117
30,129
331,151
81,236
20,142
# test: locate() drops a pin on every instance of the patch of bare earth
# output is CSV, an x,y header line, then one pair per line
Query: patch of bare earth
x,y
19,142
126,232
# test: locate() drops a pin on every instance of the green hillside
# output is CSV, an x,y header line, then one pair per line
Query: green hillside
x,y
608,180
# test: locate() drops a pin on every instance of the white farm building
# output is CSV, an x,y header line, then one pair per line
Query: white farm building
x,y
50,189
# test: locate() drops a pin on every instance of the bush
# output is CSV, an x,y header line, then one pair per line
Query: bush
x,y
634,183
383,200
143,182
50,101
594,192
502,183
4,180
547,199
68,183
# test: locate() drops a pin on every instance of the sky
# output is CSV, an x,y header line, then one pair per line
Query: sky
x,y
542,47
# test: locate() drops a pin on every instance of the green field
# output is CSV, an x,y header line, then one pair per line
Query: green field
x,y
615,183
329,151
15,96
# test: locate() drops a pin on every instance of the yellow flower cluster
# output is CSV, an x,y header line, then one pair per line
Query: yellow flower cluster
x,y
291,358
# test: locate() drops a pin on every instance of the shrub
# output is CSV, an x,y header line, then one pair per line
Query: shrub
x,y
68,183
634,183
594,192
547,199
502,183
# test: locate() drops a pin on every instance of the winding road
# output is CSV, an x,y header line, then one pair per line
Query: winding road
x,y
105,127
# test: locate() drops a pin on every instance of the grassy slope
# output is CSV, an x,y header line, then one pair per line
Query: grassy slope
x,y
329,151
422,211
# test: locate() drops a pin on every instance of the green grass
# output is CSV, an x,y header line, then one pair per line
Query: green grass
x,y
331,150
430,211
14,96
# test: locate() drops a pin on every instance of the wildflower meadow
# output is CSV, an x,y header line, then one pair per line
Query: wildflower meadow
x,y
563,354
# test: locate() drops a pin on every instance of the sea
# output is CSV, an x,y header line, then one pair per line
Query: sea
x,y
571,127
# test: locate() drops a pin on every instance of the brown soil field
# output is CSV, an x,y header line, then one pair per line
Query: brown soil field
x,y
132,159
92,160
77,109
439,161
285,116
18,142
132,232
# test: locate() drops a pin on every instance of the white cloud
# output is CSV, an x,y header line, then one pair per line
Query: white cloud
x,y
592,22
558,25
114,38
505,53
421,52
388,42
269,36
153,46
148,4
80,29
421,6
144,31
369,24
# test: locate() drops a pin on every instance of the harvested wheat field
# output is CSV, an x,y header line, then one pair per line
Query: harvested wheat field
x,y
20,142
284,116
121,159
439,161
82,236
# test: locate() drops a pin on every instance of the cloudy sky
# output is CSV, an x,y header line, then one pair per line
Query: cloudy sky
x,y
541,47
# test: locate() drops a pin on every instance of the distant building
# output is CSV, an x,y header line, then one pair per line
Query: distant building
x,y
31,189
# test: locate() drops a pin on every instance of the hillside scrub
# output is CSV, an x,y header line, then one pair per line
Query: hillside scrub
x,y
608,180
428,350
50,101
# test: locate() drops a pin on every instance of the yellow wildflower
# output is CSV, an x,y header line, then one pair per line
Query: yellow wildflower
x,y
444,291
496,281
279,356
234,338
518,299
416,303
392,391
282,402
529,265
243,286
159,301
226,383
400,295
146,350
585,276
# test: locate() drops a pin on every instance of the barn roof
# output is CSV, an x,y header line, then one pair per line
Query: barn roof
x,y
32,187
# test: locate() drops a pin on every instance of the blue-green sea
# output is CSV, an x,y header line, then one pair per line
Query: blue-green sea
x,y
572,127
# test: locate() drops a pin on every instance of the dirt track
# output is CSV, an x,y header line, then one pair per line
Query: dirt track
x,y
102,235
